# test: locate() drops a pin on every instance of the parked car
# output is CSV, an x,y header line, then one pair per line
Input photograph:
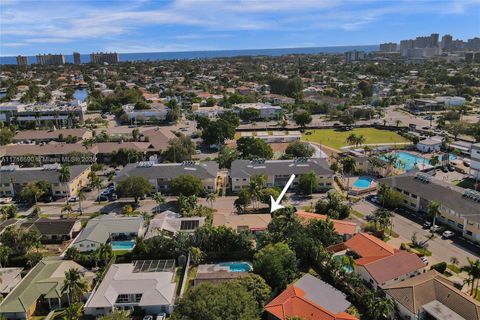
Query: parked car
x,y
370,217
6,200
161,316
113,197
73,199
427,225
424,260
448,234
102,198
87,189
148,317
436,228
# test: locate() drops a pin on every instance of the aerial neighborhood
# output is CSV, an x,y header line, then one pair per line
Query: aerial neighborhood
x,y
318,186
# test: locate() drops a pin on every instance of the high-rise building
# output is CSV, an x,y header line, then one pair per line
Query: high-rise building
x,y
473,44
76,58
22,60
388,47
447,42
354,55
104,57
48,59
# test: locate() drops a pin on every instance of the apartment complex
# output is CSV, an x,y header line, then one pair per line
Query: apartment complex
x,y
161,174
388,47
22,60
50,59
59,114
104,57
279,171
13,179
267,111
351,56
475,162
156,113
459,208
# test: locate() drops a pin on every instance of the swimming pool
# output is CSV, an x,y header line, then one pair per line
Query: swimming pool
x,y
409,161
123,245
362,182
237,266
345,266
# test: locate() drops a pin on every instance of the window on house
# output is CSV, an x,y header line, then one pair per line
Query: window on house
x,y
122,298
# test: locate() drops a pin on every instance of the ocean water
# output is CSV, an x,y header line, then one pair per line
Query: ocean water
x,y
186,55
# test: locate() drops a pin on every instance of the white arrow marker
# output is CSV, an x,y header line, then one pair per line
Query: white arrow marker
x,y
275,205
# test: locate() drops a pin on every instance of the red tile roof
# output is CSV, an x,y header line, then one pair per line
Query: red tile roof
x,y
366,246
394,266
341,227
292,302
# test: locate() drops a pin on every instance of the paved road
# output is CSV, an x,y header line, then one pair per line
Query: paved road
x,y
442,250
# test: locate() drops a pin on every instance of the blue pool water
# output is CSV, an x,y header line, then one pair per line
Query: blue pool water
x,y
123,245
347,267
411,160
237,266
362,182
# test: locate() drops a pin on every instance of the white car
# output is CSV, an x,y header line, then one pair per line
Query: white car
x,y
6,200
424,259
448,234
73,199
148,317
436,228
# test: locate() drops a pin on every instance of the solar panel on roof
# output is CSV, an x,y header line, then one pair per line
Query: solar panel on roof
x,y
153,265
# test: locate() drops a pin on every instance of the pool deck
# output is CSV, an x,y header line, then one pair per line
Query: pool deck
x,y
356,191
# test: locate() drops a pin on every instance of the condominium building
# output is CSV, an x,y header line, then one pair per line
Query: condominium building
x,y
278,172
22,60
267,111
354,55
13,179
104,57
59,114
161,174
459,209
475,161
76,58
49,59
388,47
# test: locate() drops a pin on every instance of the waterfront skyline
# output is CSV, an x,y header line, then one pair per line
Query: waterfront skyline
x,y
32,27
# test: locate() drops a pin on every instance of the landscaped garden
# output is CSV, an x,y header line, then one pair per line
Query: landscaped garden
x,y
337,139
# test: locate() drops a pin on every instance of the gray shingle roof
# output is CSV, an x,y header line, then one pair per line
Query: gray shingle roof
x,y
25,175
99,229
247,168
52,226
202,170
437,190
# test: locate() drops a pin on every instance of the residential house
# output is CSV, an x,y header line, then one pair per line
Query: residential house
x,y
459,208
252,223
309,298
54,230
344,228
148,285
9,278
215,273
388,270
429,145
160,174
104,228
13,179
169,222
41,287
278,172
432,296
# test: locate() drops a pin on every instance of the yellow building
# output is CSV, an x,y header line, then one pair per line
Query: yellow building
x,y
13,179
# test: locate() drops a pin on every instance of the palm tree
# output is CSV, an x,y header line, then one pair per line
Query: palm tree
x,y
104,252
454,261
348,166
433,210
95,183
434,161
398,122
68,209
383,217
473,271
74,285
391,160
81,197
159,198
352,139
255,187
73,312
211,197
64,177
360,140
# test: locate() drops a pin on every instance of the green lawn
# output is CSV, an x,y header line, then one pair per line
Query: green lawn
x,y
336,139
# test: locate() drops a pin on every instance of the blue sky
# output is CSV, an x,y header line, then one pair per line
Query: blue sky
x,y
31,27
